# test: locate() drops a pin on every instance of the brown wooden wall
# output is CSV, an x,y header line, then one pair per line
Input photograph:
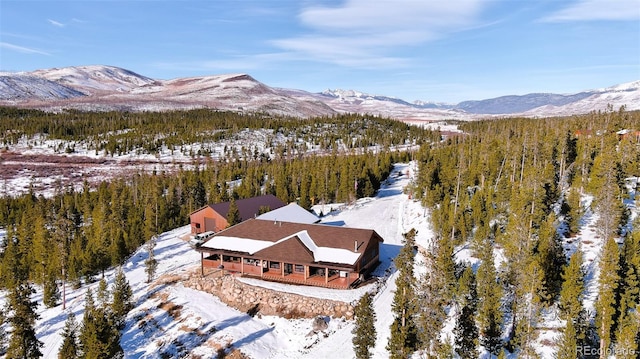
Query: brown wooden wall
x,y
206,219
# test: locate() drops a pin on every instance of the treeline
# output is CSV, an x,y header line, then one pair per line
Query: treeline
x,y
75,235
87,231
118,133
511,190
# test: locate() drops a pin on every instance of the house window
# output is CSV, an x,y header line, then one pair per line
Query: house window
x,y
274,265
299,268
231,259
198,225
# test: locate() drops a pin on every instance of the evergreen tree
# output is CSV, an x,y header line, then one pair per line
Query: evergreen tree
x,y
606,304
551,256
70,348
628,336
122,298
572,292
403,339
99,336
489,297
51,293
233,215
364,332
568,342
150,264
103,295
23,342
466,331
574,212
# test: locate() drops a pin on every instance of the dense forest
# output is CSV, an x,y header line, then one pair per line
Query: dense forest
x,y
513,190
76,234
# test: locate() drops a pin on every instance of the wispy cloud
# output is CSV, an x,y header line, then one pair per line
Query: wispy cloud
x,y
586,10
56,23
239,63
22,49
364,32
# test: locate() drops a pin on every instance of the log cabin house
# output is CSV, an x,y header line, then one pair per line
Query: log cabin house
x,y
296,253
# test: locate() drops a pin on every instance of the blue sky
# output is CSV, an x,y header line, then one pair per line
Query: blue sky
x,y
442,51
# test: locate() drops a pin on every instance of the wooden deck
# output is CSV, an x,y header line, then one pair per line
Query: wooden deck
x,y
334,282
276,275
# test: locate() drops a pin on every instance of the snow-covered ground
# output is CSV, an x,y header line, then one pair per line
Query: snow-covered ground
x,y
171,320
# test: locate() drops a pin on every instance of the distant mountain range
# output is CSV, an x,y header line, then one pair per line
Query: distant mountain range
x,y
102,88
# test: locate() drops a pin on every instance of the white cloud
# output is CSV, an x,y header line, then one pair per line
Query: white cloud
x,y
363,32
585,10
22,49
56,23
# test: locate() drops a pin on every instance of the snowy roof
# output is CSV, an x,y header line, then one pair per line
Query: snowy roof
x,y
277,239
290,213
252,246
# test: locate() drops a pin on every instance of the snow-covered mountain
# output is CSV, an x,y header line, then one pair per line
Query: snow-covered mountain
x,y
25,87
94,79
103,88
112,88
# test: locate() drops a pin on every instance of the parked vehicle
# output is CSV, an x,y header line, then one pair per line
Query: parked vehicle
x,y
200,238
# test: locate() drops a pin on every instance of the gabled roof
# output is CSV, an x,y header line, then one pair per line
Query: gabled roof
x,y
248,207
290,213
296,242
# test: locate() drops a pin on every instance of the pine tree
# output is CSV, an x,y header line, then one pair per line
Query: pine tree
x,y
575,211
571,294
606,304
51,293
628,336
23,342
122,298
567,343
150,264
70,347
103,295
466,331
403,339
489,297
233,215
364,332
99,336
551,257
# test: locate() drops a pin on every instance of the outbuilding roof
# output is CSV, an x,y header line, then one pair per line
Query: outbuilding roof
x,y
248,207
290,213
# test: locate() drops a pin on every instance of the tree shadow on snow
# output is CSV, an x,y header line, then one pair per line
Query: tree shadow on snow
x,y
252,337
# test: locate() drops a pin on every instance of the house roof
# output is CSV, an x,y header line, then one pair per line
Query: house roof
x,y
290,213
248,207
296,242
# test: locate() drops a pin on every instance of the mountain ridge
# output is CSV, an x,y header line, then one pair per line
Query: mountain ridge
x,y
101,87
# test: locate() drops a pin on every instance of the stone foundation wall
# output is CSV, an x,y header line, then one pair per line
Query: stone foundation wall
x,y
253,300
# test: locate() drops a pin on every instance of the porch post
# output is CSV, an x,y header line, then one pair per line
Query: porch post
x,y
241,265
201,264
282,269
261,268
306,271
326,275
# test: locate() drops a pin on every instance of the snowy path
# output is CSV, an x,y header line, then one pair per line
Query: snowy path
x,y
390,214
